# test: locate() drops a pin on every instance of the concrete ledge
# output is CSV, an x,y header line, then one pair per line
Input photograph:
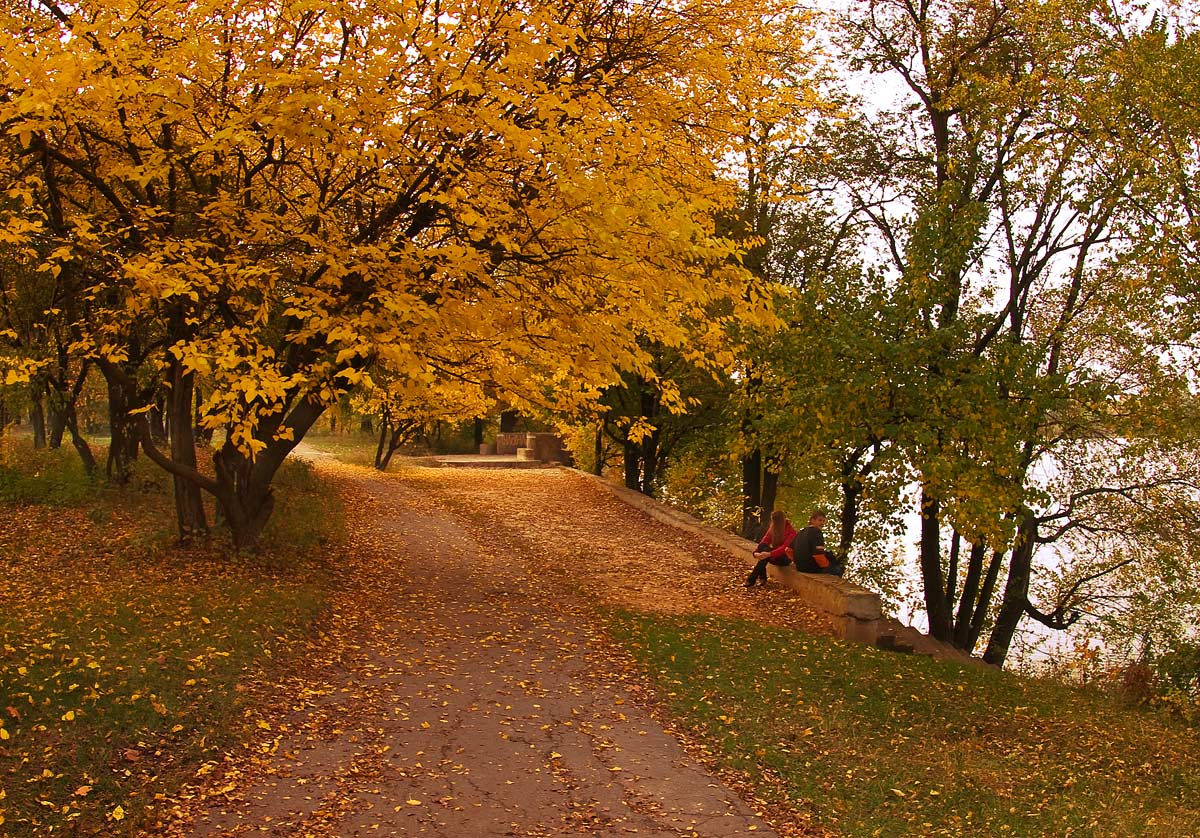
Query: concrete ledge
x,y
854,611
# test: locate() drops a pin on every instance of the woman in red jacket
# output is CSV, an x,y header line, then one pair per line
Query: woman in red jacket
x,y
773,549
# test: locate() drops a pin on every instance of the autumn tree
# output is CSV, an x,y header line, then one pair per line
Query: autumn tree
x,y
1011,219
275,198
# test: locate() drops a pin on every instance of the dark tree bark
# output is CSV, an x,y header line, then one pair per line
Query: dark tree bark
x,y
936,607
158,421
1016,591
760,488
37,418
633,471
190,517
57,421
508,421
199,431
393,434
244,486
62,400
598,452
970,591
752,505
123,428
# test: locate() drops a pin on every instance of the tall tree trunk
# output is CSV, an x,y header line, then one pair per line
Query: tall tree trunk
x,y
381,446
77,441
57,420
633,470
851,495
1016,591
770,491
37,418
190,517
970,591
752,495
158,421
650,462
62,401
931,568
508,421
123,428
598,452
199,430
243,486
984,602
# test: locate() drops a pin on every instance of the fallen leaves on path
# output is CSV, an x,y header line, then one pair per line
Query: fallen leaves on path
x,y
460,683
617,554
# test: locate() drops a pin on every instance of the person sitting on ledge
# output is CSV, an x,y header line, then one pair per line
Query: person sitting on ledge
x,y
808,548
773,549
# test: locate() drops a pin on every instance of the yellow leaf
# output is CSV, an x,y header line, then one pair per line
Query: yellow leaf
x,y
69,716
413,802
118,814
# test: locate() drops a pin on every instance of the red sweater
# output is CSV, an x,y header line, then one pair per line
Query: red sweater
x,y
789,532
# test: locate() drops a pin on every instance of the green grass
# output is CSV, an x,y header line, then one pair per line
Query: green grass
x,y
45,477
126,662
354,447
881,744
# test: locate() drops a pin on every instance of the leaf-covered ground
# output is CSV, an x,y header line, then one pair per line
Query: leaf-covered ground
x,y
461,685
123,662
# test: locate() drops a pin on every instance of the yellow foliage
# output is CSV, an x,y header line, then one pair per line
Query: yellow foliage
x,y
495,195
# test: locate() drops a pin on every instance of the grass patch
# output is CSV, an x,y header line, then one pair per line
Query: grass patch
x,y
44,477
127,662
880,744
356,448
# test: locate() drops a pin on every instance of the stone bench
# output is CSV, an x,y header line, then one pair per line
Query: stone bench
x,y
854,612
543,447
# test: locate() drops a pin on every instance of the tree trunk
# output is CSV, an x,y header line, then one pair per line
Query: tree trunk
x,y
190,517
633,469
123,428
598,462
158,421
931,568
58,422
851,493
37,418
752,499
508,421
967,599
201,433
381,446
770,490
77,441
1016,591
650,463
64,418
243,487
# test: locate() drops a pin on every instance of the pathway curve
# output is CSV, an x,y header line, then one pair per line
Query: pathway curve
x,y
459,687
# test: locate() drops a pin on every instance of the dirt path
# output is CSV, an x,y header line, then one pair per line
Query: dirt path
x,y
459,688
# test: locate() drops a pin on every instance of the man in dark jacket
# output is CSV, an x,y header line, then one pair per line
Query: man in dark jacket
x,y
808,548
